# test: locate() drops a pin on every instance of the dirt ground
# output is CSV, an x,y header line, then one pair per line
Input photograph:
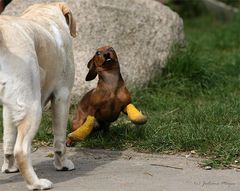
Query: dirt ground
x,y
104,170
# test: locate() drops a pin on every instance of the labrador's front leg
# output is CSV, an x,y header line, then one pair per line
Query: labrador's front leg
x,y
60,109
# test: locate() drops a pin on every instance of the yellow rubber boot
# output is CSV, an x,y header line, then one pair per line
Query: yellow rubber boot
x,y
83,131
134,115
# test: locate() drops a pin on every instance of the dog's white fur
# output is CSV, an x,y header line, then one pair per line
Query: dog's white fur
x,y
36,66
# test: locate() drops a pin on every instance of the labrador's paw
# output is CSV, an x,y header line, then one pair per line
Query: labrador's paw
x,y
42,184
9,169
66,165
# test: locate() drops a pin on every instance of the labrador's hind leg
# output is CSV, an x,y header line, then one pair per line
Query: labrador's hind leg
x,y
27,129
9,139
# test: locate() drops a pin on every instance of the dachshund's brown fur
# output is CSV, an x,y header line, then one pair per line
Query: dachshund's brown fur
x,y
109,98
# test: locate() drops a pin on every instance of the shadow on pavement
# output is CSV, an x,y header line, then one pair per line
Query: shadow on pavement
x,y
85,161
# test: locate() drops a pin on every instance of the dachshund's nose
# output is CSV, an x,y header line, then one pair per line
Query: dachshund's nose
x,y
107,56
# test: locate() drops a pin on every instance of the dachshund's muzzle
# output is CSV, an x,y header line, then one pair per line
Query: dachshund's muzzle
x,y
107,57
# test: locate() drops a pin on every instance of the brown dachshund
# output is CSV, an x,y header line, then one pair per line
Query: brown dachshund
x,y
107,100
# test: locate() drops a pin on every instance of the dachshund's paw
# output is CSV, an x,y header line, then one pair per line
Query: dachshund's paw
x,y
140,120
135,115
84,130
67,165
70,143
42,184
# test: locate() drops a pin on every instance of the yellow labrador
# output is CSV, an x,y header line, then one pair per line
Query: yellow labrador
x,y
36,66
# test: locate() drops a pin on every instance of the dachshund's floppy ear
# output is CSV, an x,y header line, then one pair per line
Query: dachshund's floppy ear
x,y
69,18
92,73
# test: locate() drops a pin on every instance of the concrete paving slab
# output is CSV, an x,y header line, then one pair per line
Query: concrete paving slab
x,y
104,170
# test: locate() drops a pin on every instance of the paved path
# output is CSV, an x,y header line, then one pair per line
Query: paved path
x,y
101,170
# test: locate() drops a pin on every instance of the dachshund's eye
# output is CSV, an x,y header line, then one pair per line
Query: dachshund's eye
x,y
98,53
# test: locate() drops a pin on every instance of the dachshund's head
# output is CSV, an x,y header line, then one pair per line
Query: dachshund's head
x,y
105,59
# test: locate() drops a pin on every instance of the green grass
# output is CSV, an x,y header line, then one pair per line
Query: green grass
x,y
193,105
